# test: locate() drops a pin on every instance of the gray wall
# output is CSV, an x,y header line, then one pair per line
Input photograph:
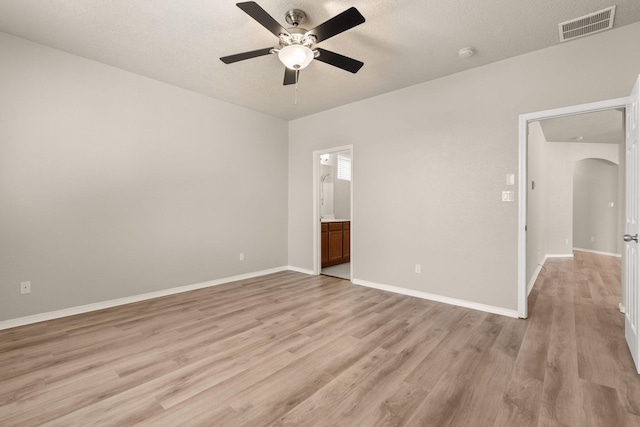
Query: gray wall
x,y
113,185
560,163
595,222
536,200
445,147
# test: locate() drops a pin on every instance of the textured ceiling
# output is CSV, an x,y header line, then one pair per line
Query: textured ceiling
x,y
606,127
402,43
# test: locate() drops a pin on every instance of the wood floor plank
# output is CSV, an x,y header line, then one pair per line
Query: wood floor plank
x,y
532,357
395,408
455,392
601,406
561,389
293,349
322,406
67,399
598,359
520,404
374,389
286,388
435,363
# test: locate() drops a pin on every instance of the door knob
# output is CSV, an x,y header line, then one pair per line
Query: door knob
x,y
629,238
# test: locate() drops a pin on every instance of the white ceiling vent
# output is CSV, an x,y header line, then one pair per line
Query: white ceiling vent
x,y
588,24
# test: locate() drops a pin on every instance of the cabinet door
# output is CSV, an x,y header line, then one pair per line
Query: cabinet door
x,y
324,243
335,247
346,245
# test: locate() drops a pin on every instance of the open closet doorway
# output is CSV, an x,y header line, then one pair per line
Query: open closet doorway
x,y
333,201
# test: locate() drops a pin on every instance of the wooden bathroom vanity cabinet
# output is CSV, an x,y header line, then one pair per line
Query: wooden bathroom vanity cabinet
x,y
335,239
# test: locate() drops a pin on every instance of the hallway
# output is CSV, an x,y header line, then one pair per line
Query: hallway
x,y
574,349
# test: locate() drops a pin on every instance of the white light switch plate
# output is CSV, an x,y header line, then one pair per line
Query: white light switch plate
x,y
508,196
511,179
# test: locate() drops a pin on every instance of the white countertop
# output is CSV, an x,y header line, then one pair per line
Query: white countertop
x,y
335,220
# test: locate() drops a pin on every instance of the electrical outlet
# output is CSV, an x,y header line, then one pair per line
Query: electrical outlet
x,y
593,238
566,241
241,256
418,268
25,287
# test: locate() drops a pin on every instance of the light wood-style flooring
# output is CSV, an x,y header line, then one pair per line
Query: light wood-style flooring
x,y
294,350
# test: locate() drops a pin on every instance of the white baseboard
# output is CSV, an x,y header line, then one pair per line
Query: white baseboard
x,y
438,298
559,255
300,270
598,252
539,269
42,317
535,277
51,315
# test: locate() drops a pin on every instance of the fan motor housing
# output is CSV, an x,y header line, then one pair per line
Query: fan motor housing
x,y
297,35
295,17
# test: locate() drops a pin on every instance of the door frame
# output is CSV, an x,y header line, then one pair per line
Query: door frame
x,y
317,254
523,127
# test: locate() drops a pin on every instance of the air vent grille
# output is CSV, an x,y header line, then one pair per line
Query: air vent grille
x,y
588,24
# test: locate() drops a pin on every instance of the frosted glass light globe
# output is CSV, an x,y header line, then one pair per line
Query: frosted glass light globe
x,y
295,56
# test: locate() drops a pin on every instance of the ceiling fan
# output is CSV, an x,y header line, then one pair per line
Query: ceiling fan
x,y
296,45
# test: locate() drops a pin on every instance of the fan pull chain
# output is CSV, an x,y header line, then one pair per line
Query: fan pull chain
x,y
295,99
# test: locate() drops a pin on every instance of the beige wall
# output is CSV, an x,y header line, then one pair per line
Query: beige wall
x,y
595,220
445,147
536,200
561,158
113,184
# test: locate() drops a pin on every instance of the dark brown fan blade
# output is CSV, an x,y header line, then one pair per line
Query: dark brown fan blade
x,y
340,61
336,25
259,14
245,55
289,76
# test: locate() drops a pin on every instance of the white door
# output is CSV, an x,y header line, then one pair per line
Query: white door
x,y
631,252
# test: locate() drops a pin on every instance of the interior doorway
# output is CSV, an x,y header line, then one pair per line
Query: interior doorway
x,y
574,187
333,212
527,239
630,292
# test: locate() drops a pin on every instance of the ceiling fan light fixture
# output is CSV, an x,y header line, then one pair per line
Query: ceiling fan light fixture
x,y
296,44
295,56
